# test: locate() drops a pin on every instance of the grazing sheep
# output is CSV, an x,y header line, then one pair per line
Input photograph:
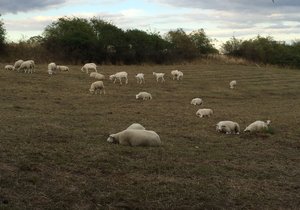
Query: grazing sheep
x,y
135,137
119,76
18,64
97,75
228,127
159,76
136,126
144,96
197,101
9,67
89,66
27,66
232,84
258,126
62,68
204,112
140,78
97,86
177,74
51,68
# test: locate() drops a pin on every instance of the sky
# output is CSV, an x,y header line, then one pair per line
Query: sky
x,y
220,19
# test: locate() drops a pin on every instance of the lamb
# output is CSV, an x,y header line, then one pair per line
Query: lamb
x,y
89,66
136,126
204,112
258,126
62,68
140,78
9,67
97,75
119,76
232,84
197,101
52,68
144,96
27,66
97,86
177,74
159,76
228,127
18,64
135,137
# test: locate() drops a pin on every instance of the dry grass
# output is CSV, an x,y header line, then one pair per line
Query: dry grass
x,y
54,154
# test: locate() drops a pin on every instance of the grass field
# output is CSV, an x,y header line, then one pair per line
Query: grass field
x,y
54,154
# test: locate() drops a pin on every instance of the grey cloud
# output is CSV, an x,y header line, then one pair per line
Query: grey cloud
x,y
15,6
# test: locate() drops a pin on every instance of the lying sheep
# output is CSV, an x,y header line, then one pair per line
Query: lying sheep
x,y
97,75
143,96
119,76
197,101
18,64
228,127
232,84
140,78
204,112
136,126
97,86
159,76
9,67
258,126
135,137
89,66
27,66
51,68
62,68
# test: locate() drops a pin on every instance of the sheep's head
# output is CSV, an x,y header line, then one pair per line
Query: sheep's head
x,y
111,77
136,96
91,90
112,139
268,122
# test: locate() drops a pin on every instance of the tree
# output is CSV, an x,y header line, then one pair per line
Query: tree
x,y
202,42
2,35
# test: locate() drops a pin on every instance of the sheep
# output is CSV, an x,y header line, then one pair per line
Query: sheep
x,y
232,84
177,74
135,137
9,67
27,66
97,75
258,126
33,64
52,68
140,78
204,112
18,64
159,75
144,96
197,101
136,126
62,68
228,127
89,66
119,76
97,86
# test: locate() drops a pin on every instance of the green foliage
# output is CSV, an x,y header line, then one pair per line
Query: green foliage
x,y
202,42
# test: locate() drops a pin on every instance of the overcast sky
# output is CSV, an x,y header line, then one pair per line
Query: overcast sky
x,y
221,19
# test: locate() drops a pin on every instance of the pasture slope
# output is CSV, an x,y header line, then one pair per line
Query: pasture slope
x,y
54,154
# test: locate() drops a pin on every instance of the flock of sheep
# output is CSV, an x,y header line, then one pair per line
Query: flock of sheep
x,y
136,134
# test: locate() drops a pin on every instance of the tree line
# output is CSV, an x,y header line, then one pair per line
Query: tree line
x,y
80,40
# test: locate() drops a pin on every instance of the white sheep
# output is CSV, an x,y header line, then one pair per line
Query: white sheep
x,y
232,84
27,66
89,66
135,137
62,68
136,126
204,112
97,86
174,74
228,127
179,75
119,76
258,126
52,68
97,75
9,67
197,101
18,64
140,78
159,76
143,96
